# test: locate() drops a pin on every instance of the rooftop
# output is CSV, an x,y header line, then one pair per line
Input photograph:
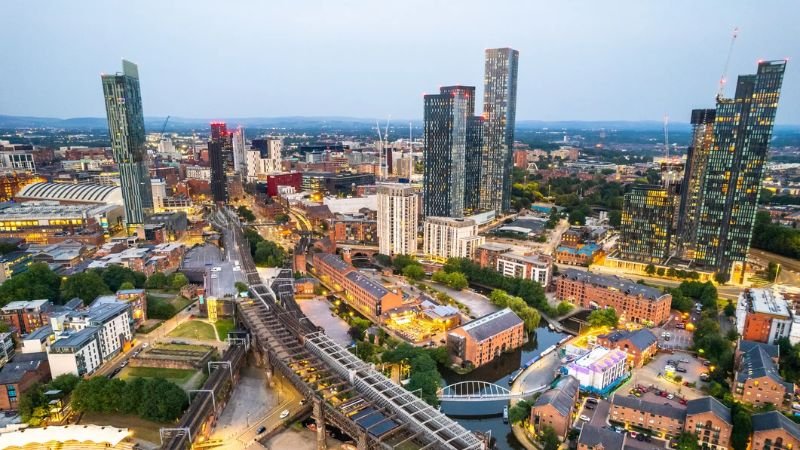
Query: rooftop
x,y
757,363
642,338
772,350
659,409
334,261
75,339
614,283
47,209
599,359
767,301
594,437
494,247
368,284
774,420
21,364
24,304
451,221
83,193
491,324
562,397
709,404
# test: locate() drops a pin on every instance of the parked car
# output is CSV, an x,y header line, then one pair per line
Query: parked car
x,y
585,418
681,369
670,397
589,406
284,414
261,430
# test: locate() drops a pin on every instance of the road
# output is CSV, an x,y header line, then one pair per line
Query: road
x,y
220,279
790,268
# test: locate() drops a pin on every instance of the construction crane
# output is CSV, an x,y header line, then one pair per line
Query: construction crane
x,y
723,78
164,127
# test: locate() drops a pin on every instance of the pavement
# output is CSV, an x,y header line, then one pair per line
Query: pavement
x,y
319,311
540,373
652,374
478,304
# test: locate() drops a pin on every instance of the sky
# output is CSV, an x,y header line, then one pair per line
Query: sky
x,y
579,60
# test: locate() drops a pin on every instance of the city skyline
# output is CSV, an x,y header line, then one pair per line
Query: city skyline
x,y
650,66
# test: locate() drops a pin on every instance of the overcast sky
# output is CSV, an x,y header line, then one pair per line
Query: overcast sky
x,y
579,60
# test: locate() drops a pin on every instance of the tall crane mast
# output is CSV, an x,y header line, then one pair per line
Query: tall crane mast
x,y
723,79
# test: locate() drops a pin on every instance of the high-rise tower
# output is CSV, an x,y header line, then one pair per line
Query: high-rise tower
x,y
696,158
216,157
646,225
735,168
126,129
446,116
499,115
398,213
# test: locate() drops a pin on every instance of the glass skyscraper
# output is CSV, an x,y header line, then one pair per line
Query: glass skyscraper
x,y
126,130
216,157
472,164
445,127
702,121
735,168
499,115
646,225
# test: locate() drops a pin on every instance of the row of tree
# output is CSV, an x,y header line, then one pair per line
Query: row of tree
x,y
39,281
671,272
34,405
425,376
775,238
265,253
528,314
530,291
149,398
455,280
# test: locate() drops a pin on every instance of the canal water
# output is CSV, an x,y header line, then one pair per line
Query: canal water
x,y
487,416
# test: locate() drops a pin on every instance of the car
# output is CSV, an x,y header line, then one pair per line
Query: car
x,y
640,437
589,406
303,402
682,401
216,269
591,400
145,345
684,360
633,434
261,430
647,438
584,418
665,393
671,362
124,363
704,377
284,413
680,325
681,369
706,363
670,397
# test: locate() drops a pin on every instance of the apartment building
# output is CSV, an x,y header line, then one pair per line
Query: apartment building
x,y
556,407
76,352
711,421
599,438
446,237
538,268
640,345
757,380
633,302
24,316
600,370
762,315
773,430
482,340
663,420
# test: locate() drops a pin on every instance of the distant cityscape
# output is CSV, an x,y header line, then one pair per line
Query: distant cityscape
x,y
590,286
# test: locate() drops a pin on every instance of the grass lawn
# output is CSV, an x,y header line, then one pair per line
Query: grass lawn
x,y
223,326
177,376
194,329
142,429
184,347
156,304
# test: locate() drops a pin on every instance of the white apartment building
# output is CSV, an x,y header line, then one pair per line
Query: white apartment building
x,y
75,352
599,369
112,320
261,163
159,189
239,151
537,268
398,212
446,237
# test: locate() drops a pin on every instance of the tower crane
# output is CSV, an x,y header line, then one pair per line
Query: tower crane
x,y
164,127
723,78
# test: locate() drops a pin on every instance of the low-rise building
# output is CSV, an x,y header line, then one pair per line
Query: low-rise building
x,y
582,255
600,370
482,340
773,430
538,268
762,315
7,348
640,345
446,237
22,372
137,298
663,420
757,380
38,340
599,438
24,316
49,222
112,319
556,407
710,421
486,255
633,302
75,352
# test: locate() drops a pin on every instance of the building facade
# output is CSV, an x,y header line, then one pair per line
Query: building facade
x,y
735,169
398,212
445,237
484,339
126,129
710,421
773,431
499,118
75,352
646,225
633,302
640,345
556,407
696,158
600,370
762,315
219,180
538,268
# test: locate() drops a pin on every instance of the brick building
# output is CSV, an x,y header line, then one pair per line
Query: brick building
x,y
757,380
763,315
772,430
640,345
663,420
362,293
25,316
596,438
480,341
16,377
711,421
556,407
634,302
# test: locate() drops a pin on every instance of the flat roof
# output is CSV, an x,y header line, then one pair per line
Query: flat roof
x,y
75,339
767,301
599,359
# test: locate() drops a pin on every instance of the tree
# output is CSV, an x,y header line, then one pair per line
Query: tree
x,y
126,286
519,412
401,261
687,441
281,219
730,309
414,272
606,317
549,438
721,277
383,260
156,281
179,280
87,286
772,271
241,287
113,276
660,271
742,427
35,283
564,308
774,237
650,269
245,213
269,254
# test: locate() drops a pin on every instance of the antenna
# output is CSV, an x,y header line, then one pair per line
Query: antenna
x,y
723,78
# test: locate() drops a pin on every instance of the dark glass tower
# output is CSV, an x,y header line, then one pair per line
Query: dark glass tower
x,y
646,226
472,164
216,158
126,130
735,169
499,114
446,116
696,159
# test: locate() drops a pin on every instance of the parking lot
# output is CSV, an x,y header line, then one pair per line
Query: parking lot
x,y
654,374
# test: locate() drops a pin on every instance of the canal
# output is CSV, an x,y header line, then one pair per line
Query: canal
x,y
487,416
